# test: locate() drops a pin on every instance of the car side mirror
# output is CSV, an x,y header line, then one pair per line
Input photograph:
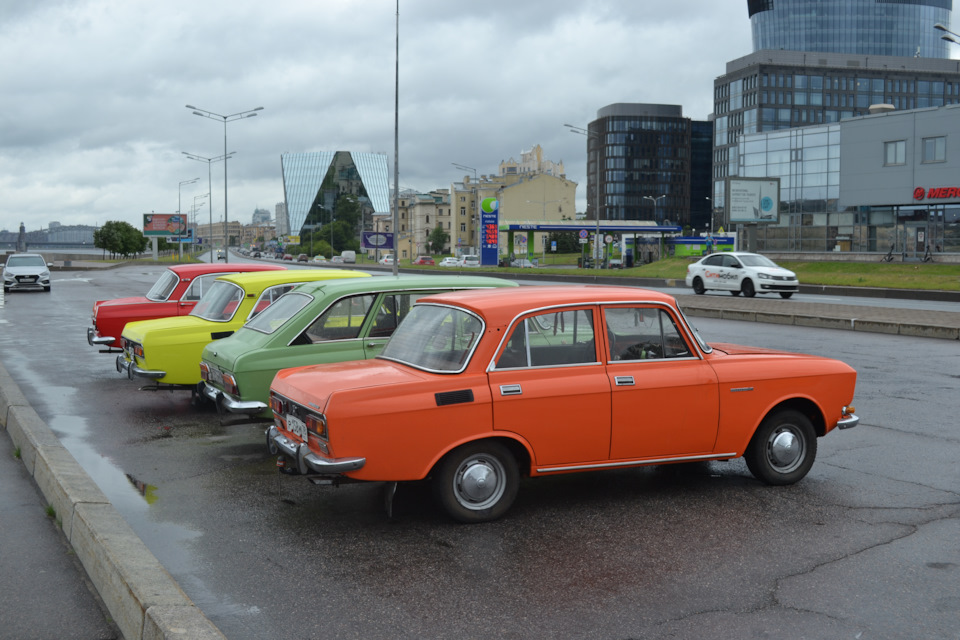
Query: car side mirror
x,y
736,265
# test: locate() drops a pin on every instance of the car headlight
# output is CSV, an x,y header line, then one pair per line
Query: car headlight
x,y
765,276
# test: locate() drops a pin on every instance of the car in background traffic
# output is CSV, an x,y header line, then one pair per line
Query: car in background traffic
x,y
615,263
26,271
470,261
740,272
302,257
287,256
337,260
450,261
476,389
325,321
424,260
320,259
168,350
387,259
175,293
522,263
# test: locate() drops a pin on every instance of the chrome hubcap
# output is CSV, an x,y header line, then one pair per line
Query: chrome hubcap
x,y
479,482
786,450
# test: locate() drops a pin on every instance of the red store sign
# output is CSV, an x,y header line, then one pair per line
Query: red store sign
x,y
936,193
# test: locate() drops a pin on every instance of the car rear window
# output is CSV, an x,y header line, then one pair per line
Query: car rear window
x,y
435,338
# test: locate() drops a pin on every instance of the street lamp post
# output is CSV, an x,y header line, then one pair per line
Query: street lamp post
x,y
596,206
474,217
182,227
948,35
655,201
194,156
228,118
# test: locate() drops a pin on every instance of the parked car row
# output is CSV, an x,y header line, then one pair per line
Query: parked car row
x,y
473,382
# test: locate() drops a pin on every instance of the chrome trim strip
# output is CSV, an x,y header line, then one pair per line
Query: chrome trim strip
x,y
739,389
637,463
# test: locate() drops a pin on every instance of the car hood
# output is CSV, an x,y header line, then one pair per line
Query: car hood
x,y
25,271
313,385
119,302
741,350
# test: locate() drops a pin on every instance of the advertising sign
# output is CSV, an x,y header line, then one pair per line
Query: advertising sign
x,y
164,225
376,240
489,231
753,200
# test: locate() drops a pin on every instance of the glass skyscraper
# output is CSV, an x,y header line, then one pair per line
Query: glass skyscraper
x,y
902,28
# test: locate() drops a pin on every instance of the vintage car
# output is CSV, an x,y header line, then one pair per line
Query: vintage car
x,y
175,293
477,388
326,321
168,350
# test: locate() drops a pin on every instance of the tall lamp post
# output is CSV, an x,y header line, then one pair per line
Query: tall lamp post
x,y
474,218
596,206
194,156
228,118
182,226
655,201
948,35
196,208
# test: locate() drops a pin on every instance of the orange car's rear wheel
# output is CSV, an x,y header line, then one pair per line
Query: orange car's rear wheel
x,y
783,448
477,482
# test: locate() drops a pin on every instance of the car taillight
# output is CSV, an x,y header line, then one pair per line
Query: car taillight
x,y
230,384
204,371
317,425
278,404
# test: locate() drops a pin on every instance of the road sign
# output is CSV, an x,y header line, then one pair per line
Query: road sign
x,y
583,235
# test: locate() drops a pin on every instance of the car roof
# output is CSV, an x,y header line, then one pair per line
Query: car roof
x,y
401,282
499,306
30,255
198,269
258,281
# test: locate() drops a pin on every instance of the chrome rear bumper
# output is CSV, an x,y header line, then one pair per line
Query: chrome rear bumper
x,y
133,371
307,461
251,407
93,339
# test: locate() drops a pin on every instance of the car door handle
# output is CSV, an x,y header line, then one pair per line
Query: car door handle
x,y
510,390
376,344
623,381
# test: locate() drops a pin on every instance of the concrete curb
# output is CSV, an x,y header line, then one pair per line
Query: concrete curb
x,y
145,601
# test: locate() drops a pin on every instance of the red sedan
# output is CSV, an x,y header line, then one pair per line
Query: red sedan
x,y
424,260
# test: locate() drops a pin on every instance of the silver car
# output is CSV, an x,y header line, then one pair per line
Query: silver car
x,y
26,271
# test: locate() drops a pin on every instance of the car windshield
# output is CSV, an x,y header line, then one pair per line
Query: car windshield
x,y
754,260
435,338
278,313
220,302
25,261
163,287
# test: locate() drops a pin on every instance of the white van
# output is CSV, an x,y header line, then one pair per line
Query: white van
x,y
349,257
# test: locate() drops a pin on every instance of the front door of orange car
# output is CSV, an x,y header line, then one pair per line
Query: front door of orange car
x,y
549,386
664,397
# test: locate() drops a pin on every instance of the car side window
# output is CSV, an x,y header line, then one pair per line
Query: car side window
x,y
393,308
268,296
554,338
714,260
342,321
643,333
730,261
200,284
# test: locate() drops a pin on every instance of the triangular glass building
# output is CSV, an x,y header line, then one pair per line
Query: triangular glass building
x,y
312,182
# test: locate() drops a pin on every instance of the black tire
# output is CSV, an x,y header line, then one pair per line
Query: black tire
x,y
747,288
477,482
783,448
786,294
698,287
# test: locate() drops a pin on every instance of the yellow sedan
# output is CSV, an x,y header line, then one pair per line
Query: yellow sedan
x,y
168,350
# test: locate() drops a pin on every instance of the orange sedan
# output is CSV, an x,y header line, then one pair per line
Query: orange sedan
x,y
477,388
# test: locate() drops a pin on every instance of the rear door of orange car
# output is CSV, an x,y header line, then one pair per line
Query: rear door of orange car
x,y
664,396
549,386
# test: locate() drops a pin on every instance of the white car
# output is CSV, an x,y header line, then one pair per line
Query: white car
x,y
450,261
470,261
387,259
740,272
26,271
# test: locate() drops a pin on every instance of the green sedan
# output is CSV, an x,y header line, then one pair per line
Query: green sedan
x,y
318,322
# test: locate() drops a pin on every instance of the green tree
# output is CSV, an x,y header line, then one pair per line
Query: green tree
x,y
120,239
567,241
438,240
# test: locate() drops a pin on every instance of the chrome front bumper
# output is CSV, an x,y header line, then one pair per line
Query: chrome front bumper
x,y
94,340
133,371
307,461
251,407
849,422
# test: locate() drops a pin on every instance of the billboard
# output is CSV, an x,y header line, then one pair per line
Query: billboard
x,y
381,240
753,200
164,225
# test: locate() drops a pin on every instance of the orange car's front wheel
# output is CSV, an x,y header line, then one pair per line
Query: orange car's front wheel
x,y
783,448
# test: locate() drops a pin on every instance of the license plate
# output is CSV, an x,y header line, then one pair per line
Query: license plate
x,y
297,427
216,376
29,279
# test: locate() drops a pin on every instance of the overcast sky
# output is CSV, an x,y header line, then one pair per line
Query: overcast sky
x,y
93,93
